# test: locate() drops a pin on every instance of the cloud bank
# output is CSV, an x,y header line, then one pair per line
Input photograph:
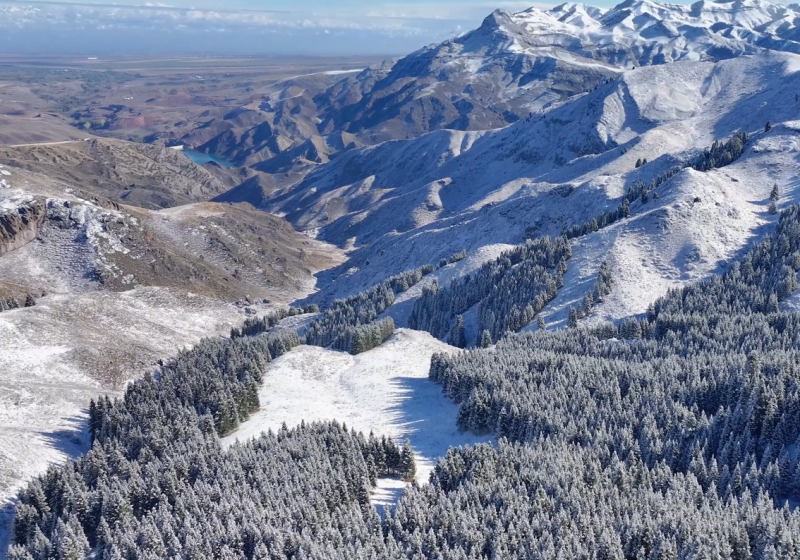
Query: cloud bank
x,y
108,29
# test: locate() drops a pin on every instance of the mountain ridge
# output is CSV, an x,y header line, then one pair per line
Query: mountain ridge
x,y
512,66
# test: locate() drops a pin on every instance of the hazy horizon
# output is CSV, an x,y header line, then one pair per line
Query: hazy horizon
x,y
238,27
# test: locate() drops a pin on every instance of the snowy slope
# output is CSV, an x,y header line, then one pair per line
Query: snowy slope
x,y
403,204
515,63
118,299
641,32
51,357
385,390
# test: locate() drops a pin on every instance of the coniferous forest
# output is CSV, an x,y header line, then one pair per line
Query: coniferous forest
x,y
668,436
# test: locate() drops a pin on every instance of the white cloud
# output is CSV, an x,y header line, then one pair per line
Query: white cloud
x,y
395,27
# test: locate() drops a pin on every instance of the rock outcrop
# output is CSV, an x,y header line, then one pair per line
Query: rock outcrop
x,y
19,226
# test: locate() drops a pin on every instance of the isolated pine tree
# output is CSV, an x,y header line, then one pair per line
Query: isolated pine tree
x,y
775,194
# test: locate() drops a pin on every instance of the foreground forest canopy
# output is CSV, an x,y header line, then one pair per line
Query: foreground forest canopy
x,y
668,436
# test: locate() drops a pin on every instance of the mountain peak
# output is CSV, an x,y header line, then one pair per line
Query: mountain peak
x,y
499,20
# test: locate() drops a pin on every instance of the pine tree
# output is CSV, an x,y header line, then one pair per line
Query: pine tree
x,y
458,336
572,321
775,194
486,339
409,468
625,209
588,303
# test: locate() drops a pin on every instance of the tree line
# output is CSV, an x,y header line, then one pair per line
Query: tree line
x,y
718,155
157,484
704,390
346,320
510,289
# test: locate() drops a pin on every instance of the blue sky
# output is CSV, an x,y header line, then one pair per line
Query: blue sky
x,y
237,27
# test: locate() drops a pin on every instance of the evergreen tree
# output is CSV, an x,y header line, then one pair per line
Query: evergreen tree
x,y
458,336
408,468
572,321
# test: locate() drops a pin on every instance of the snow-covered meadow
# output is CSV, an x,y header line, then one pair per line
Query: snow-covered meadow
x,y
385,391
56,356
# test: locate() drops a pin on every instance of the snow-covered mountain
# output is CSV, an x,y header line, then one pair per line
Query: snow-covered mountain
x,y
512,65
401,204
641,32
533,123
516,63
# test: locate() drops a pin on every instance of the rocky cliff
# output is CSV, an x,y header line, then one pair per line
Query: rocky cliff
x,y
19,226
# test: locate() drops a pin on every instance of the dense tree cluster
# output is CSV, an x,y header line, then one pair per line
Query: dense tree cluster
x,y
361,308
257,325
508,288
560,501
217,379
707,388
300,493
361,338
721,154
156,483
519,295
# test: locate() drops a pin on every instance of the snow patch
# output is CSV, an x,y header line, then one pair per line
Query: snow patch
x,y
385,391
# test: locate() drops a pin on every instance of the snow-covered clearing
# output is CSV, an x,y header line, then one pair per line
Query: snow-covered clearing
x,y
385,390
70,348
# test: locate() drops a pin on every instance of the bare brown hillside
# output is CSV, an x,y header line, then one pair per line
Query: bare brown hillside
x,y
136,174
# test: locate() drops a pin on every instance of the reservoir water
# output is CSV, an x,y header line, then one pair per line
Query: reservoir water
x,y
200,158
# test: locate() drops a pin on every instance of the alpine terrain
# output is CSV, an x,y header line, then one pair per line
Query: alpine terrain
x,y
531,292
